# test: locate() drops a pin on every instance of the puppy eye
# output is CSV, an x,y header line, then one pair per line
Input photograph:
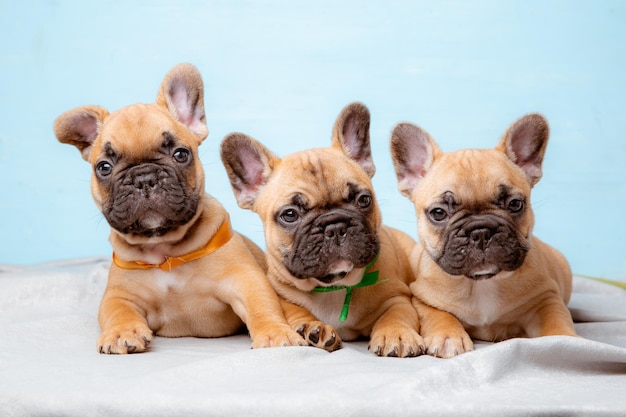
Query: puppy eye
x,y
289,216
181,155
104,169
515,206
438,214
364,201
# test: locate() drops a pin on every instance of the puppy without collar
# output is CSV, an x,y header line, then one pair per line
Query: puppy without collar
x,y
178,268
479,270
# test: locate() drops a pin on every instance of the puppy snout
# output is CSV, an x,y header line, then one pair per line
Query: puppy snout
x,y
481,246
336,232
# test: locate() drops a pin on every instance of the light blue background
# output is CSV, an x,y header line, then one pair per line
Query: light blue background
x,y
282,70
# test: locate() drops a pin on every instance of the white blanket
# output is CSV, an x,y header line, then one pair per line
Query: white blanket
x,y
49,364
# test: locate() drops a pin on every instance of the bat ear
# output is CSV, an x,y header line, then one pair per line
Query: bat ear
x,y
248,164
525,142
351,134
182,94
80,127
413,152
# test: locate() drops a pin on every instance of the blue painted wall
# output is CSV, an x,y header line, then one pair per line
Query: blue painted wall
x,y
282,70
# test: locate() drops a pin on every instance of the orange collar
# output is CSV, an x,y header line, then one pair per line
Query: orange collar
x,y
219,239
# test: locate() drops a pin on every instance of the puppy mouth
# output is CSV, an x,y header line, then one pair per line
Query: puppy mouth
x,y
152,220
485,272
327,279
148,230
337,272
152,224
139,229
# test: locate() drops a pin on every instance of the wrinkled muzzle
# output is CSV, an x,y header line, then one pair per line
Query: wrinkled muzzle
x,y
480,246
150,200
331,245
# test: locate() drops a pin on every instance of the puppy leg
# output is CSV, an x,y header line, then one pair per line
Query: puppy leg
x,y
552,318
268,327
395,332
259,307
443,333
315,332
124,329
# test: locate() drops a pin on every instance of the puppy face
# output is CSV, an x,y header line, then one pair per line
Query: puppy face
x,y
475,220
147,179
318,206
473,206
320,215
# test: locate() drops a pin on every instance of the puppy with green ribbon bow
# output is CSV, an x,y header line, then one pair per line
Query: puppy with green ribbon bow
x,y
342,275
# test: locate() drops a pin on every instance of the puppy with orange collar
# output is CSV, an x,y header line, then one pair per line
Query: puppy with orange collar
x,y
480,272
178,268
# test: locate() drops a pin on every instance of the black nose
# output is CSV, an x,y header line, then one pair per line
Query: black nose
x,y
336,232
145,178
480,237
145,181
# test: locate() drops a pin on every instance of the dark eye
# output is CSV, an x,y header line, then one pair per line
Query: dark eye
x,y
104,169
181,155
438,214
515,206
364,201
289,216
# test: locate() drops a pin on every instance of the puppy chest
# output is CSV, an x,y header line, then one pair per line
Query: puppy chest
x,y
483,305
329,307
188,306
485,311
326,306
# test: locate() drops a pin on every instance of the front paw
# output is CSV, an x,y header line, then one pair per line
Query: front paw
x,y
443,345
397,342
319,335
277,336
125,338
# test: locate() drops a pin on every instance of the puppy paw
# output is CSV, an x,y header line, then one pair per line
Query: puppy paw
x,y
397,343
126,338
277,336
448,346
320,335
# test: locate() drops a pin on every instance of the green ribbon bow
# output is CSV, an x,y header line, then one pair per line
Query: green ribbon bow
x,y
369,278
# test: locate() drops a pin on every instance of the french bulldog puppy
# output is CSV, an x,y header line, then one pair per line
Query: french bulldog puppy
x,y
341,273
178,268
480,272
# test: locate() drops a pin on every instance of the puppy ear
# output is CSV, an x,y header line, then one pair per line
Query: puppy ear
x,y
80,127
351,134
525,143
248,165
413,152
182,94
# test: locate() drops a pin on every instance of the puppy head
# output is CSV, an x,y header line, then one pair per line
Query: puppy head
x,y
318,209
473,206
147,179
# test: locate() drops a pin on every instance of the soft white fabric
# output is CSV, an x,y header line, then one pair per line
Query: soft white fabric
x,y
49,365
